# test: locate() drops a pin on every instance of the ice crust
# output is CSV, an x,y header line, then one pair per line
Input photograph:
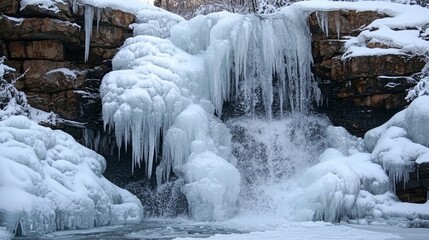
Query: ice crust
x,y
50,182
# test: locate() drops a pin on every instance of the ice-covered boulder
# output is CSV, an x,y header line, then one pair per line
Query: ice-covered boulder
x,y
402,141
50,182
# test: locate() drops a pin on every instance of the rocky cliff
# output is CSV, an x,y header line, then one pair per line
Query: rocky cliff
x,y
46,43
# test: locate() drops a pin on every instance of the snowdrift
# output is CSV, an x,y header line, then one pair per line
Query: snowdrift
x,y
50,182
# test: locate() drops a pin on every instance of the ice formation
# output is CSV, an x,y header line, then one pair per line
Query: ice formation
x,y
89,18
169,87
169,90
168,79
401,142
49,182
150,20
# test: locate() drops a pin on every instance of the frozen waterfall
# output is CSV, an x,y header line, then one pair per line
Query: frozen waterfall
x,y
216,58
167,92
170,92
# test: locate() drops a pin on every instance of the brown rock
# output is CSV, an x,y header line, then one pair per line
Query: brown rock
x,y
330,47
107,36
381,101
116,17
341,22
377,45
9,7
45,49
76,105
17,65
337,69
38,29
39,100
109,16
59,9
97,54
49,77
383,65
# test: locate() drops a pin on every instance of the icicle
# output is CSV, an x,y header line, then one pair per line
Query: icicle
x,y
74,6
323,20
98,18
338,25
89,18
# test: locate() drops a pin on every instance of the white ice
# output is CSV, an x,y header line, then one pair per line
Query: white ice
x,y
298,231
50,5
402,141
50,182
168,90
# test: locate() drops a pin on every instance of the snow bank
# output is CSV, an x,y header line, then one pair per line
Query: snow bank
x,y
4,234
49,182
332,189
402,141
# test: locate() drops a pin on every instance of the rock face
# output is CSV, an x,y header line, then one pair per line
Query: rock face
x,y
47,44
363,92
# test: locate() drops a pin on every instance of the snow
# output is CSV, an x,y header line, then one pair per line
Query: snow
x,y
150,20
213,187
402,141
392,31
50,5
4,234
294,231
13,19
168,87
49,182
64,71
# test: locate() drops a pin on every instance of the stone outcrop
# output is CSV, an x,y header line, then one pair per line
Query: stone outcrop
x,y
47,44
363,92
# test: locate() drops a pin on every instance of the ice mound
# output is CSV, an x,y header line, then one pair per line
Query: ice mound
x,y
196,146
402,141
50,182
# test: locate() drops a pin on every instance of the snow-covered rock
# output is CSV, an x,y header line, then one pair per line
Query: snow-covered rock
x,y
50,182
402,142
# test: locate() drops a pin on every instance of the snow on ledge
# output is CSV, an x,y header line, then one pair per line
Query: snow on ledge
x,y
392,31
